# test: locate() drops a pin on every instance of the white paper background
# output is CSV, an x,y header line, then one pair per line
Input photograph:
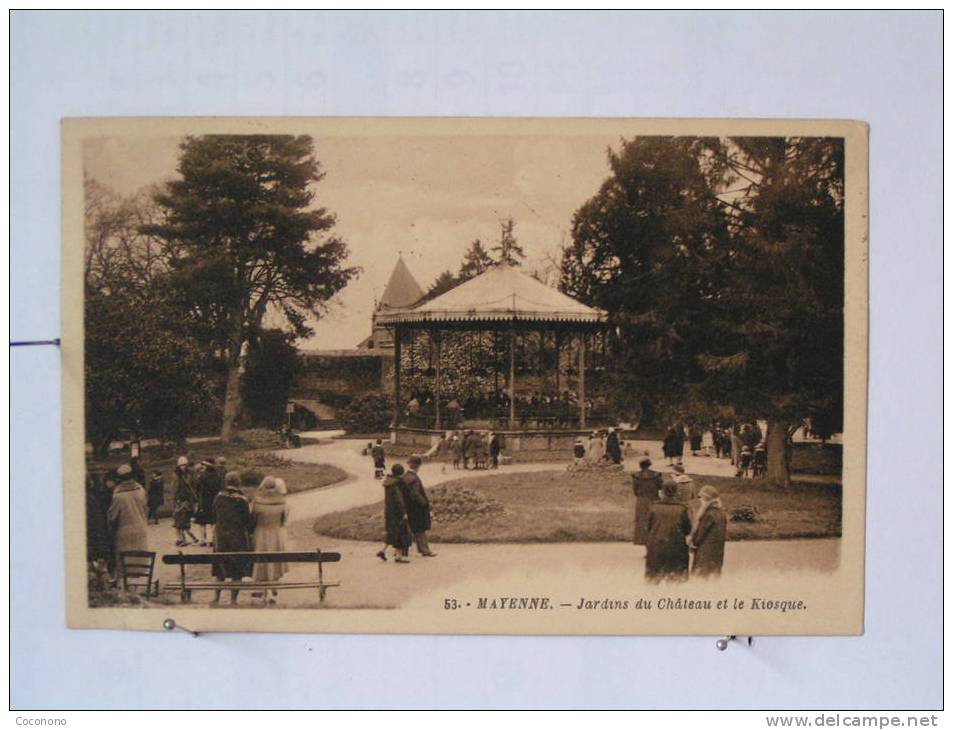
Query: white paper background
x,y
881,68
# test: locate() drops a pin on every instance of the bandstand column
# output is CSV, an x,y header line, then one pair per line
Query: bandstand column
x,y
396,375
582,380
512,378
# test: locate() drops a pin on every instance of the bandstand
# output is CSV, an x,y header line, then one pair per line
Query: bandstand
x,y
509,304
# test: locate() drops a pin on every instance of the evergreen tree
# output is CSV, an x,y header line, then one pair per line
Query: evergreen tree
x,y
475,261
249,240
508,251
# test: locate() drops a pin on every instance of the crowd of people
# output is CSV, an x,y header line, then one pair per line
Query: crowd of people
x,y
742,443
602,446
683,528
207,499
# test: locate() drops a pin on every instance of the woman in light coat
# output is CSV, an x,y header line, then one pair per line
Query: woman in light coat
x,y
127,515
269,514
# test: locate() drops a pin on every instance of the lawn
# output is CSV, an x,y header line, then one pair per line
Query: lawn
x,y
253,459
558,506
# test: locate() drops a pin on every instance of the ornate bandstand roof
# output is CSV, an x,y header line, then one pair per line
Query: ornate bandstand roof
x,y
500,294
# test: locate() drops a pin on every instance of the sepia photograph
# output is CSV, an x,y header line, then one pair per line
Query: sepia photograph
x,y
520,376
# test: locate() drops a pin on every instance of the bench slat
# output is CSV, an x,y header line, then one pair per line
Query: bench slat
x,y
215,558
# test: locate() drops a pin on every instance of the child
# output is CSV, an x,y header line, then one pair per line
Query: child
x,y
183,503
156,496
744,462
377,453
578,452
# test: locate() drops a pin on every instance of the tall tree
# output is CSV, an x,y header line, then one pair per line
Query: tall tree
x,y
781,354
441,285
721,263
507,249
649,248
249,240
144,371
475,261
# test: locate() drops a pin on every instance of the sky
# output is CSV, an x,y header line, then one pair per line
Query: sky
x,y
422,197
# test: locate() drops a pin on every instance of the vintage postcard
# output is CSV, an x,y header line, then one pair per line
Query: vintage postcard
x,y
466,376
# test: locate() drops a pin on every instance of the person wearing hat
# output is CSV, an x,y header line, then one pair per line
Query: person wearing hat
x,y
418,506
269,515
127,515
232,519
646,484
396,520
666,549
183,503
685,484
377,454
208,485
613,447
708,536
156,495
596,448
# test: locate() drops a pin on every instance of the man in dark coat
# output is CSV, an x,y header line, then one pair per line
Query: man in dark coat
x,y
396,521
668,445
679,443
495,448
666,551
209,484
99,539
377,454
233,527
156,495
708,536
418,506
613,447
646,484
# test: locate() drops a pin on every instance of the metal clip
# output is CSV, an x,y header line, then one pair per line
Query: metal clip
x,y
722,644
170,625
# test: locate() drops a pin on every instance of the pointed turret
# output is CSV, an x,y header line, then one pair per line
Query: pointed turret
x,y
402,289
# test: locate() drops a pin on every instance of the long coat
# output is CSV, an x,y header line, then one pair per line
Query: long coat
x,y
613,448
232,527
646,485
183,501
395,514
99,541
156,492
377,454
416,502
666,550
668,444
269,517
127,517
471,446
709,540
208,485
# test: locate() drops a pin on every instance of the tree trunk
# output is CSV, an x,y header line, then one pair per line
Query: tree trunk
x,y
232,410
233,402
779,454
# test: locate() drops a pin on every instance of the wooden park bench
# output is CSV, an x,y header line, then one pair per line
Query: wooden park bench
x,y
185,586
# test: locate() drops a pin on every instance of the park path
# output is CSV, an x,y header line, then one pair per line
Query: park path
x,y
367,582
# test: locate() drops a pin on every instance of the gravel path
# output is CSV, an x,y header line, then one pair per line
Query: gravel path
x,y
369,583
